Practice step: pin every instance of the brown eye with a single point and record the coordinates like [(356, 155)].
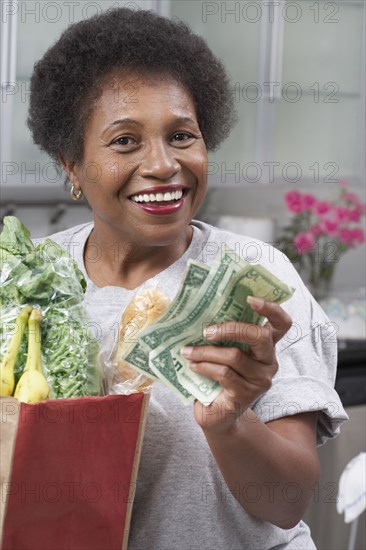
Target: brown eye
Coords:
[(124, 140), (182, 136)]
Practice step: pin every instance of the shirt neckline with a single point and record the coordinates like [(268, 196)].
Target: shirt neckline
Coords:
[(191, 252)]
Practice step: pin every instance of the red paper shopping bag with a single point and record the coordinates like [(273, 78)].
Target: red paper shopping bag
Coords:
[(68, 471)]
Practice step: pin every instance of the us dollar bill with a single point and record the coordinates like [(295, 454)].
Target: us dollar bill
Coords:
[(208, 295), (195, 276), (139, 359), (193, 279), (200, 280), (232, 306), (155, 335)]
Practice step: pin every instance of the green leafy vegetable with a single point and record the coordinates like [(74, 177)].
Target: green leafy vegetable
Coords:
[(46, 277)]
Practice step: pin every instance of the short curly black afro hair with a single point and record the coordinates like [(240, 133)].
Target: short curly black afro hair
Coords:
[(69, 78)]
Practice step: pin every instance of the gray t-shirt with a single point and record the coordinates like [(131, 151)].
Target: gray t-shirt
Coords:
[(182, 501)]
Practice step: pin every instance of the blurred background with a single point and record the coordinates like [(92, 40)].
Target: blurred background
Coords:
[(298, 82)]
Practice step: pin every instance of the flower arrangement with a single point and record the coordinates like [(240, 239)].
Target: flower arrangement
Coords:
[(320, 232)]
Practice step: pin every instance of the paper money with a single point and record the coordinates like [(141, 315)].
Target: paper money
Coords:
[(193, 279), (208, 295), (165, 360), (232, 307), (195, 275), (155, 335), (139, 359)]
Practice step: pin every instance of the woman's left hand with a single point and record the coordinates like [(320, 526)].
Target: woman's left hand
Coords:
[(243, 376)]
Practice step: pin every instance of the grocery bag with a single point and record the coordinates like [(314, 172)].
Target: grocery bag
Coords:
[(68, 471)]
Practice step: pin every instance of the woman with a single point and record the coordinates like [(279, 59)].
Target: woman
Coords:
[(129, 103)]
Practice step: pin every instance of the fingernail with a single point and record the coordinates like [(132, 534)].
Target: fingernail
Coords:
[(209, 331), (186, 351), (193, 366), (257, 303)]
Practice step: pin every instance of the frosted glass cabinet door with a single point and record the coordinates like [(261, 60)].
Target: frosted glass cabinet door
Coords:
[(319, 105), (36, 25)]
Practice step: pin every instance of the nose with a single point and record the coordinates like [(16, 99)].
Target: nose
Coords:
[(158, 161)]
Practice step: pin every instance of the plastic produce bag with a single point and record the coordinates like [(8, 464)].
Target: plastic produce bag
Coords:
[(47, 278)]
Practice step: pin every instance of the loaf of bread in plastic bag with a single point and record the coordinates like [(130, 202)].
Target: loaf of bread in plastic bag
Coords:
[(144, 309)]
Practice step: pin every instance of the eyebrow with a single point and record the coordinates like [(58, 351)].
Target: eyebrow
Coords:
[(133, 122), (122, 121), (185, 119)]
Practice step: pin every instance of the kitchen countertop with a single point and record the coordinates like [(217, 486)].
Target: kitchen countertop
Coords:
[(351, 373)]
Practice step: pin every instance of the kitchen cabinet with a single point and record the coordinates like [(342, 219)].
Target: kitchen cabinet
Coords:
[(297, 72)]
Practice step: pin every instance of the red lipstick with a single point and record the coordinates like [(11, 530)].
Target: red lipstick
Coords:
[(161, 208)]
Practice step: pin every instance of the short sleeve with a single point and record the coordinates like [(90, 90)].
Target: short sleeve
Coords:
[(307, 359)]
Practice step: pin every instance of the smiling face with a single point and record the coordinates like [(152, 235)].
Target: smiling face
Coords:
[(145, 161)]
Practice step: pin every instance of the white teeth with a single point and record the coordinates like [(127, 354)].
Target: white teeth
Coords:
[(158, 197)]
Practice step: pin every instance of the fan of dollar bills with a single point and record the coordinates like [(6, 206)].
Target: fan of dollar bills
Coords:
[(209, 294)]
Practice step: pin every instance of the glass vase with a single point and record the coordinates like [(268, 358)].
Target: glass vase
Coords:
[(320, 281)]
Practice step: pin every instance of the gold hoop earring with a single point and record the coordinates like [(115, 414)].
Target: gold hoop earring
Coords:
[(75, 195)]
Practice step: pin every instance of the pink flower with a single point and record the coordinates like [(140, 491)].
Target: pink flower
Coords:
[(342, 213), (352, 237), (345, 236), (293, 196), (304, 242), (293, 201), (296, 202), (354, 215), (330, 227), (322, 207), (308, 201), (358, 236)]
